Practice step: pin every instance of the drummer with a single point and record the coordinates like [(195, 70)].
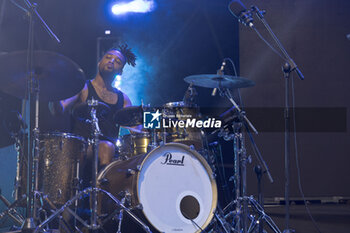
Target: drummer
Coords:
[(100, 88)]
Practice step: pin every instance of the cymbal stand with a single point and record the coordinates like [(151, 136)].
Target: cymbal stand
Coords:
[(241, 213), (32, 92), (11, 210), (80, 195), (95, 141)]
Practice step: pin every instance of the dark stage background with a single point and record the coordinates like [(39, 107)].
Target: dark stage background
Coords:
[(184, 37)]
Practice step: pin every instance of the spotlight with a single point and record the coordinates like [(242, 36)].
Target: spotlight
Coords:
[(138, 6), (107, 32)]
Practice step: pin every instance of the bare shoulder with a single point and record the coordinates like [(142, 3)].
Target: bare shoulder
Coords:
[(83, 94), (127, 101)]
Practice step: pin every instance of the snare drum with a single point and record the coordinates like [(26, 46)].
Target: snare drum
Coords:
[(172, 183), (58, 167)]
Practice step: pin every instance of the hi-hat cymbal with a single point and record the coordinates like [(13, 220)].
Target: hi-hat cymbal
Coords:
[(59, 77), (129, 116), (219, 81)]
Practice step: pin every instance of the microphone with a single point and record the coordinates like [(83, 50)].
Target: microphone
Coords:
[(189, 95), (219, 72), (239, 11)]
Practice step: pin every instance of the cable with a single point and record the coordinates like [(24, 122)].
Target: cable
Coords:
[(297, 161), (236, 74), (233, 65), (268, 44), (19, 6)]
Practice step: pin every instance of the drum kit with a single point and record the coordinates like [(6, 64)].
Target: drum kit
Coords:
[(162, 180)]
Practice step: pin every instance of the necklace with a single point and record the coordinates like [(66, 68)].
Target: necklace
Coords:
[(106, 95)]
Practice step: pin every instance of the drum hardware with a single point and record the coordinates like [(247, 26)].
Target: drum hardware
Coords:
[(11, 209), (258, 172), (95, 223), (232, 131), (254, 222), (216, 158), (23, 78), (80, 194), (241, 216), (118, 215)]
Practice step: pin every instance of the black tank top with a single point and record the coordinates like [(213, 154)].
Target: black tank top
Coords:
[(109, 129)]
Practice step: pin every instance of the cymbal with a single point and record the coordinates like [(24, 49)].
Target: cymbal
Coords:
[(219, 81), (59, 77), (129, 116), (133, 129)]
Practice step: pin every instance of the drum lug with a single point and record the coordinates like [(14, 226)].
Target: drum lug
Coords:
[(138, 168), (131, 172), (138, 206), (59, 192), (103, 181), (76, 183), (125, 194)]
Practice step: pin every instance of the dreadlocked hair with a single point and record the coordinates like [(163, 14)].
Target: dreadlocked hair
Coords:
[(127, 53)]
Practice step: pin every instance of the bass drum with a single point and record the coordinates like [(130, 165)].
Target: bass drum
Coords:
[(172, 189)]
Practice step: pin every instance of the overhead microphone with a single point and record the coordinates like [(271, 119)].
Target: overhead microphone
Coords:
[(239, 11), (219, 72)]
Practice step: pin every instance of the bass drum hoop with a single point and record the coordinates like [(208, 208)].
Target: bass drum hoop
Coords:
[(207, 168), (203, 162)]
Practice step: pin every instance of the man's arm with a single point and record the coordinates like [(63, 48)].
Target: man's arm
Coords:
[(59, 107)]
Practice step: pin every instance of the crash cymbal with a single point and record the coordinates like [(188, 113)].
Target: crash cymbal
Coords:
[(219, 81), (59, 77), (129, 116), (82, 111)]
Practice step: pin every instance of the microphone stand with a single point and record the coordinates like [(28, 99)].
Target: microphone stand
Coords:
[(287, 68)]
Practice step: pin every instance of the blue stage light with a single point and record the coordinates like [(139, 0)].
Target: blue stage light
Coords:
[(133, 81), (117, 82), (138, 6)]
